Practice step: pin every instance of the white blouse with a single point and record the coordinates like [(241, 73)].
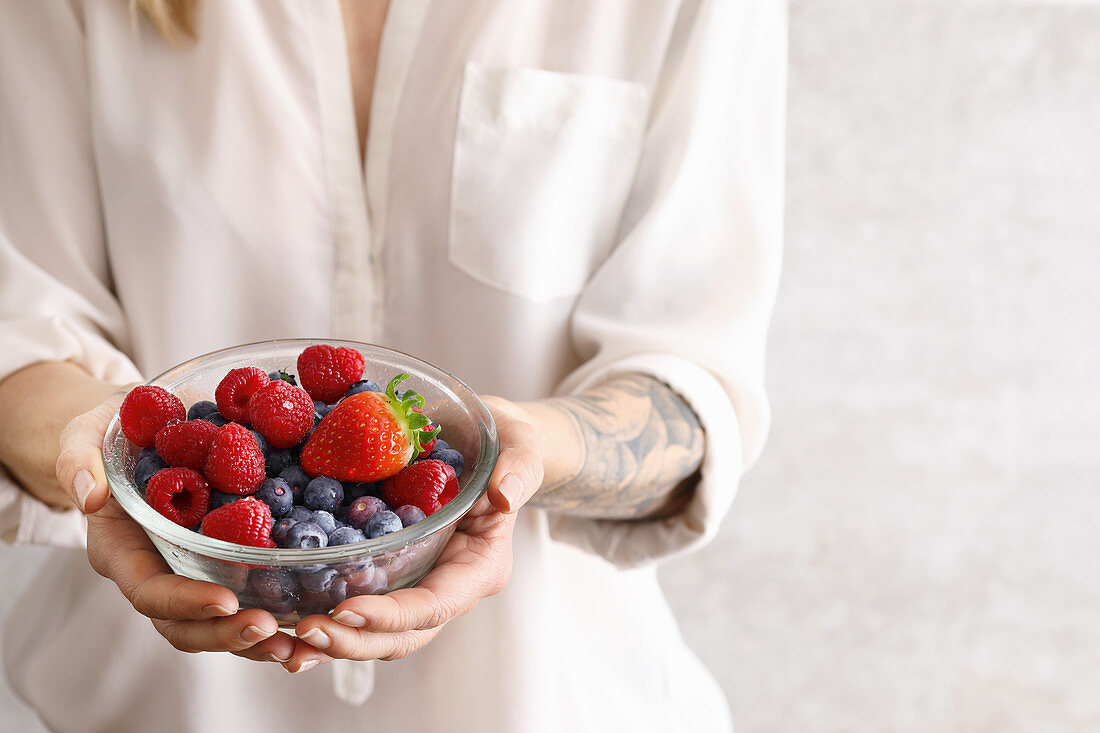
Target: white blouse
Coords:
[(553, 192)]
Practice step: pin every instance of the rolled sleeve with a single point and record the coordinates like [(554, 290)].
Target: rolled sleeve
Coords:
[(687, 295), (633, 544), (56, 301), (24, 520)]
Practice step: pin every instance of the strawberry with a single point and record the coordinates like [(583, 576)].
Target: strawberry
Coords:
[(426, 485), (369, 436), (146, 410), (327, 371), (246, 521)]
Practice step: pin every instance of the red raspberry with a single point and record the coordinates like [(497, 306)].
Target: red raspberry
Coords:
[(180, 494), (235, 389), (234, 464), (326, 371), (245, 521), (186, 443), (282, 413), (427, 485), (426, 448), (429, 445), (145, 411)]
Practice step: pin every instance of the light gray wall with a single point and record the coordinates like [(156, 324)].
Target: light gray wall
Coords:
[(917, 549)]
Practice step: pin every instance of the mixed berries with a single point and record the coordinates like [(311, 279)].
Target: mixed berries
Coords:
[(335, 461)]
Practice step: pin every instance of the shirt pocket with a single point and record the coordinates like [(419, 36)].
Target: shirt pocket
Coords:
[(543, 164)]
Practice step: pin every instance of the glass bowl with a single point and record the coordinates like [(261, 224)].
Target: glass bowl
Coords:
[(292, 583)]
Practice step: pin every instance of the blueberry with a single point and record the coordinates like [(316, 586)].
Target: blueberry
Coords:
[(298, 480), (382, 523), (147, 453), (324, 520), (217, 418), (285, 376), (271, 585), (296, 450), (353, 490), (306, 536), (310, 603), (323, 493), (200, 410), (451, 457), (275, 492), (409, 514), (363, 508), (317, 581), (440, 444), (146, 468), (300, 514), (345, 536), (261, 442), (363, 385), (338, 591), (320, 409), (277, 461), (220, 499), (278, 532)]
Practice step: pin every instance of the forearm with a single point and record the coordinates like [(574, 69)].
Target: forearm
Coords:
[(36, 403), (628, 448)]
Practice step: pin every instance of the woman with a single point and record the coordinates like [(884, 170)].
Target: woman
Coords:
[(544, 198)]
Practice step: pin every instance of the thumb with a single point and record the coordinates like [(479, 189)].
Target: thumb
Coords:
[(519, 471), (80, 462)]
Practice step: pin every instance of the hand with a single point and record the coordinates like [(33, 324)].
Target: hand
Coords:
[(192, 615), (475, 563)]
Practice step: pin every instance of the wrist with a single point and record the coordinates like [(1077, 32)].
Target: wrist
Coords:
[(36, 403), (560, 440)]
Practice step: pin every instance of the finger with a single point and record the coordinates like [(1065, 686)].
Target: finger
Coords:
[(119, 550), (408, 609), (450, 590), (518, 473), (278, 648), (304, 657), (228, 634), (80, 463), (341, 642)]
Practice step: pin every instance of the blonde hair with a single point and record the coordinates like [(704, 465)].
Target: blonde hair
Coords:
[(173, 18)]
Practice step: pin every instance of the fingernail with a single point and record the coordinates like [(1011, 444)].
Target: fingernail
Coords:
[(349, 618), (215, 609), (270, 656), (252, 634), (82, 486), (306, 665), (316, 638), (511, 488)]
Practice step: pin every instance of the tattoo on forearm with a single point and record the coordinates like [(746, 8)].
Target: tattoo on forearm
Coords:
[(642, 447)]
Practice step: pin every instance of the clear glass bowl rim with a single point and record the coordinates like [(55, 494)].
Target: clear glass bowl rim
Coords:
[(131, 500)]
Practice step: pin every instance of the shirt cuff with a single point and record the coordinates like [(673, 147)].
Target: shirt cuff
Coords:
[(26, 520), (635, 543)]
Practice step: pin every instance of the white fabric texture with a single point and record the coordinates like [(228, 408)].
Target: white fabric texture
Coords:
[(553, 193)]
